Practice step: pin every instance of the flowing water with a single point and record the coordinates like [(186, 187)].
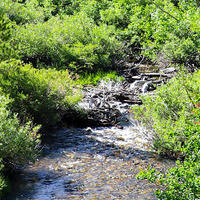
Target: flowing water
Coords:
[(90, 164)]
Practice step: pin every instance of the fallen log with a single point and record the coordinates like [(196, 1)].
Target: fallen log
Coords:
[(151, 74)]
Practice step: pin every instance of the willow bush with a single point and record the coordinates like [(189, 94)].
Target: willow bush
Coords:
[(174, 115), (42, 95), (70, 42), (166, 31), (6, 31), (32, 11), (19, 143)]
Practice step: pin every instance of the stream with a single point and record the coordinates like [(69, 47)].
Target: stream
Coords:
[(95, 163)]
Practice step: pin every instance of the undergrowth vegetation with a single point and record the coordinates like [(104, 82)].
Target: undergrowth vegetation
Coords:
[(18, 142), (94, 34), (48, 48), (173, 113), (6, 49), (72, 42), (44, 95), (93, 79)]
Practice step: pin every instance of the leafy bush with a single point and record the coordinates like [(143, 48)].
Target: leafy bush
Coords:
[(184, 50), (181, 182), (174, 114), (169, 113), (94, 78), (6, 50), (42, 94), (74, 41), (161, 27), (18, 142), (154, 28), (118, 13), (66, 7), (83, 33), (31, 11)]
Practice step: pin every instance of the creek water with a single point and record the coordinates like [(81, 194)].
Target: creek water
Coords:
[(91, 163)]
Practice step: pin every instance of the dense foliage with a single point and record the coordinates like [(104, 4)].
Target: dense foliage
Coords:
[(43, 95), (174, 115), (94, 34), (18, 142), (6, 50), (71, 42)]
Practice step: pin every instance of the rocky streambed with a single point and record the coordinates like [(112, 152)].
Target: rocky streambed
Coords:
[(101, 160)]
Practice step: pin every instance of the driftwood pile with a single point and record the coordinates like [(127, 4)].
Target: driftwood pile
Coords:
[(107, 102)]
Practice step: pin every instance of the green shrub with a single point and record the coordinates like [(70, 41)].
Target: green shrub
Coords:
[(43, 95), (158, 29), (93, 8), (174, 114), (118, 13), (181, 182), (6, 49), (70, 42), (17, 142), (185, 50), (95, 78), (66, 7), (169, 113), (31, 11), (155, 28)]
